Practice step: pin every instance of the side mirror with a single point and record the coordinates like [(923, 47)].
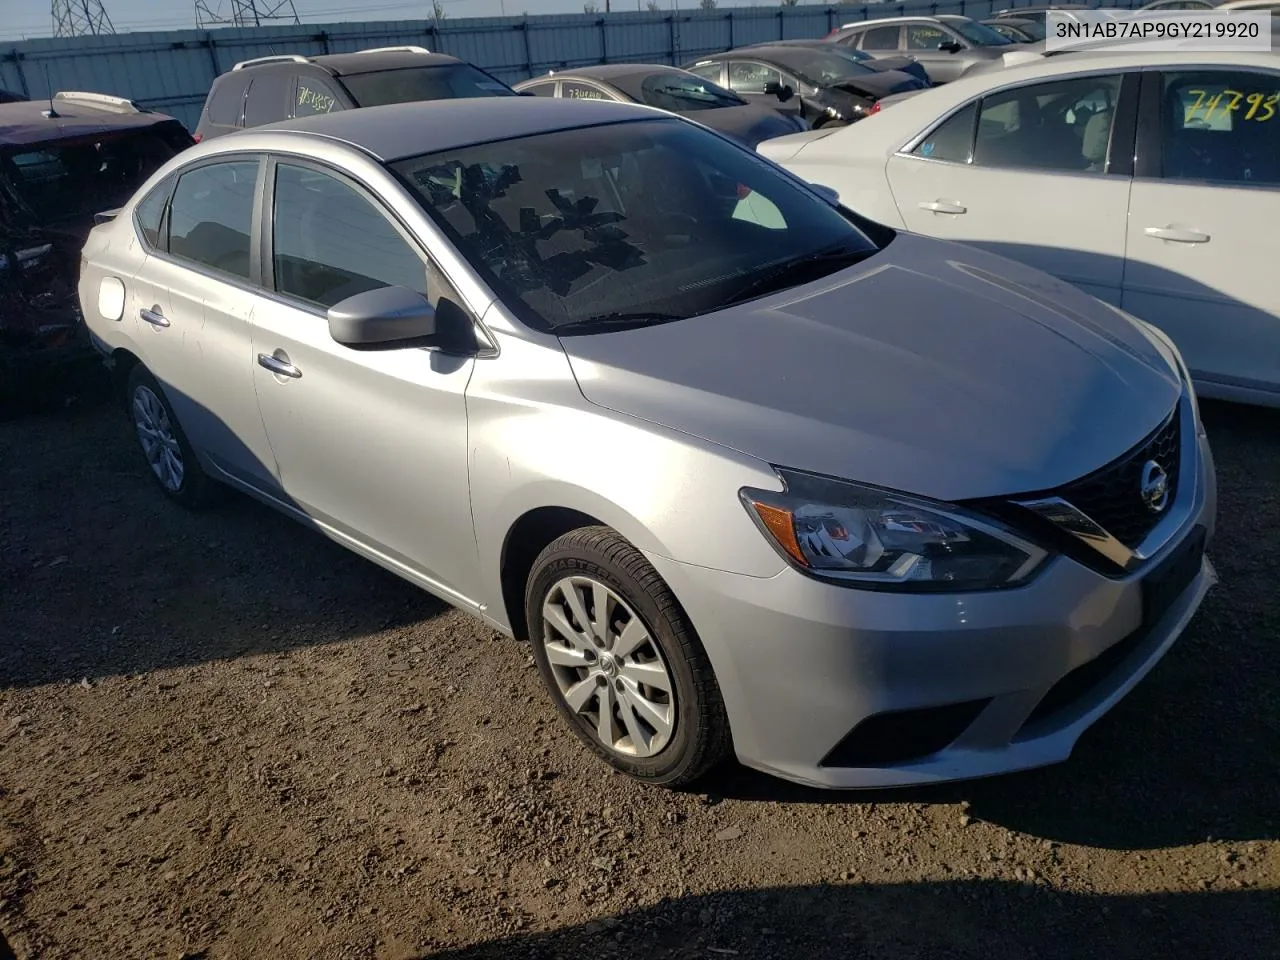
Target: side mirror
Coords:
[(526, 93), (383, 316), (827, 193), (774, 88), (950, 46)]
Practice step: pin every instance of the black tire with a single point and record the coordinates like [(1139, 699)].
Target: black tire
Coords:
[(700, 740), (197, 489)]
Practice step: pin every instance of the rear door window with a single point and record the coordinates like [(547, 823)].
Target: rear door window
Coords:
[(268, 99), (880, 38), (211, 216), (1222, 126)]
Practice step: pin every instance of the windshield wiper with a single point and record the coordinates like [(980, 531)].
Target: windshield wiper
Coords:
[(774, 278), (616, 321)]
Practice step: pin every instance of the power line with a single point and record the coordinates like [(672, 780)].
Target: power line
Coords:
[(244, 13), (80, 18)]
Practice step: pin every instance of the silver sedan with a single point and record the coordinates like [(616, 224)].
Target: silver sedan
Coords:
[(752, 474)]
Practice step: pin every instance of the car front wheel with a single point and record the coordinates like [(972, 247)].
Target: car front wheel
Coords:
[(622, 661)]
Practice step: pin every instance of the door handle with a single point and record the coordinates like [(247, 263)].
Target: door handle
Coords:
[(1176, 234), (282, 367), (154, 316), (942, 206)]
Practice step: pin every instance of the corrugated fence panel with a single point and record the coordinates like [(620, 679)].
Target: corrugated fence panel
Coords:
[(171, 72)]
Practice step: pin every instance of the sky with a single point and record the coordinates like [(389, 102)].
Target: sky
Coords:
[(32, 18)]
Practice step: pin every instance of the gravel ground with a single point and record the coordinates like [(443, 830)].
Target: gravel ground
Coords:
[(222, 736)]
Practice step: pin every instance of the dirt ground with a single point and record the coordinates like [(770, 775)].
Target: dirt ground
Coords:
[(222, 736)]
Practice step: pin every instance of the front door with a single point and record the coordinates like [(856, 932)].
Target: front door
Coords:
[(1027, 173), (1201, 255), (371, 443), (750, 78), (921, 40)]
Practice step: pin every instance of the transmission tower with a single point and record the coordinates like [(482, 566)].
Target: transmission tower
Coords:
[(80, 18), (244, 13)]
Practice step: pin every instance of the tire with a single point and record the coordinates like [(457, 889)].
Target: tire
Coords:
[(149, 409), (697, 738)]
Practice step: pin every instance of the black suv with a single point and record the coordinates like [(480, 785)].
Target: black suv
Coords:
[(63, 160), (269, 89)]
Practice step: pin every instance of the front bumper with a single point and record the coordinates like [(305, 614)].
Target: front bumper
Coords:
[(838, 687)]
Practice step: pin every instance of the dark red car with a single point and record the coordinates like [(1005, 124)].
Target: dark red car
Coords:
[(62, 160)]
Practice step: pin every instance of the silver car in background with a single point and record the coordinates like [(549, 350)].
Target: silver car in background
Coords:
[(753, 475)]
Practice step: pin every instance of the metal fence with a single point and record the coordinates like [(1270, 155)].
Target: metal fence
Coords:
[(172, 72)]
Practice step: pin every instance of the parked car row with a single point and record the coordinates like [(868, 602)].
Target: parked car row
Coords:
[(1147, 179)]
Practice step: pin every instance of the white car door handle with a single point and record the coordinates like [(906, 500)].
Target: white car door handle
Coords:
[(282, 367), (154, 317), (942, 206), (1176, 234)]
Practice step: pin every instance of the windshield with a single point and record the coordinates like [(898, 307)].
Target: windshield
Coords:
[(824, 67), (977, 33), (681, 93), (653, 220), (446, 82), (70, 180)]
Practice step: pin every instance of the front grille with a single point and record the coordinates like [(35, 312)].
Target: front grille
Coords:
[(1111, 497)]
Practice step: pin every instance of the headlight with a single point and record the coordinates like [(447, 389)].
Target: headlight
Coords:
[(876, 539)]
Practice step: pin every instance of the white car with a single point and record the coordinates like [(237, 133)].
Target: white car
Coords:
[(1150, 180)]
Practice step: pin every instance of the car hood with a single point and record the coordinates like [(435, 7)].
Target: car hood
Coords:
[(750, 123), (932, 368)]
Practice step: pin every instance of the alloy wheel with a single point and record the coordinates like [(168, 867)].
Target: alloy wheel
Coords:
[(158, 439), (607, 667)]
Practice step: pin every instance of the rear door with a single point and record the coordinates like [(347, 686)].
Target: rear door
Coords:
[(194, 333), (1202, 219), (1039, 173)]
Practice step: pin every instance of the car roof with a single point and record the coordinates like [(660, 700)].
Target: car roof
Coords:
[(400, 130), (23, 122), (348, 64), (885, 21), (764, 51), (611, 71)]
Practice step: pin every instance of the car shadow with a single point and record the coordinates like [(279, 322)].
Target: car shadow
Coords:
[(1190, 753), (961, 920), (106, 577)]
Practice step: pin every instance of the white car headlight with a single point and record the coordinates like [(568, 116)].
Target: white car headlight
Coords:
[(881, 540)]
